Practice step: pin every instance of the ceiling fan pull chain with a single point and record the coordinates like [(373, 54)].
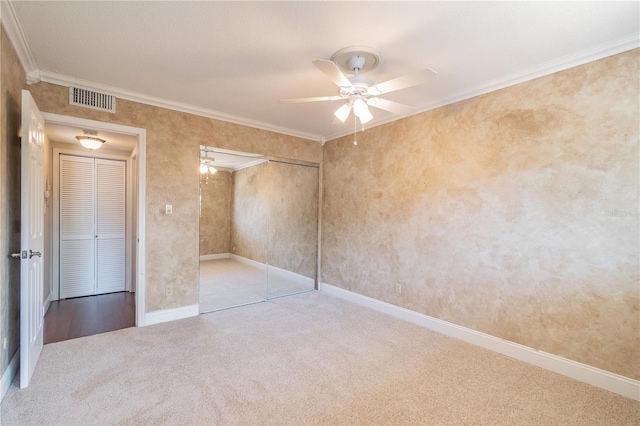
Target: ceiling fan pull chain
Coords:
[(355, 130)]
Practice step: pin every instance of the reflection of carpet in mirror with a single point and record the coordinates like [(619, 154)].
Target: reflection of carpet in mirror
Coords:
[(229, 282)]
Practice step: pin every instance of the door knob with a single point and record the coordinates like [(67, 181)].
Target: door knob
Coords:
[(34, 253), (15, 255)]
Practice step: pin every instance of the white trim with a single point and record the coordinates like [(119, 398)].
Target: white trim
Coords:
[(292, 276), (214, 256), (9, 374), (47, 304), (141, 147), (250, 164), (246, 261), (582, 57), (34, 75), (165, 315), (68, 81), (216, 150), (141, 180), (612, 382), (300, 279), (14, 31)]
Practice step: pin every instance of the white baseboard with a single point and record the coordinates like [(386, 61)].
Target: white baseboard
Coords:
[(248, 261), (277, 272), (214, 256), (165, 315), (9, 374), (47, 304), (292, 276), (603, 379)]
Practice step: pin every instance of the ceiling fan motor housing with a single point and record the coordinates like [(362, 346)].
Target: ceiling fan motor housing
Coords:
[(356, 63), (360, 86)]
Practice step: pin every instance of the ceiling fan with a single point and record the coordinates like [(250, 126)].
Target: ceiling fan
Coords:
[(360, 92)]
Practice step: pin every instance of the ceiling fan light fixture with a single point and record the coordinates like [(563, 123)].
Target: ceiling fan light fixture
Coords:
[(212, 170), (203, 168), (365, 116), (343, 112), (359, 107), (90, 140), (361, 110)]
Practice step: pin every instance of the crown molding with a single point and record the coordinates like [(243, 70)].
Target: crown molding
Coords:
[(14, 31), (13, 28), (582, 57), (16, 35), (64, 80)]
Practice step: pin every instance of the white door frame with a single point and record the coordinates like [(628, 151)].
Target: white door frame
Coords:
[(141, 134)]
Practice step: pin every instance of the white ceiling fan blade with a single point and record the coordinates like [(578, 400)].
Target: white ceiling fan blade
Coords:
[(332, 71), (391, 106), (316, 99), (403, 82)]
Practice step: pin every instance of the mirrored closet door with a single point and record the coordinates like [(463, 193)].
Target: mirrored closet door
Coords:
[(258, 228), (293, 228)]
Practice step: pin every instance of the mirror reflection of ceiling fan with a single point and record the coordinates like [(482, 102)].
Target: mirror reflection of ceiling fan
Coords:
[(359, 92)]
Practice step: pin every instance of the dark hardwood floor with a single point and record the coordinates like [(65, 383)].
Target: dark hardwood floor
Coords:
[(85, 316)]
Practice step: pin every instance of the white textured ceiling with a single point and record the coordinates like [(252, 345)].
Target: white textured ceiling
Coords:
[(237, 59)]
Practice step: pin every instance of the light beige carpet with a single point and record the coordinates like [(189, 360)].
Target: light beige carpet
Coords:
[(306, 359)]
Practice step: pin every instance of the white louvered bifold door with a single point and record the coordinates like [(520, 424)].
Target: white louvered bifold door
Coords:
[(77, 215), (110, 225), (92, 226)]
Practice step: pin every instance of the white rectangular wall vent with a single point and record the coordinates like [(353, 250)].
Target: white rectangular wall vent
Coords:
[(90, 99)]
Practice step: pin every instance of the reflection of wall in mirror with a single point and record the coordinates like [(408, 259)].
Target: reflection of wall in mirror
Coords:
[(249, 223), (293, 218), (267, 213), (215, 217)]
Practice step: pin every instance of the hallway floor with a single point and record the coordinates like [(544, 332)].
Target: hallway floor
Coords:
[(84, 316)]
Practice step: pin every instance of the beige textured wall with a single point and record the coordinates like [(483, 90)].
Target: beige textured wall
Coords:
[(215, 217), (293, 218), (249, 213), (12, 81), (173, 141), (514, 213)]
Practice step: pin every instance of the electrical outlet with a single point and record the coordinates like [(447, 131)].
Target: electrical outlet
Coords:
[(169, 290), (398, 288)]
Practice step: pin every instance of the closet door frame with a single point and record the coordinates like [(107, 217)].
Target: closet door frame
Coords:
[(55, 258)]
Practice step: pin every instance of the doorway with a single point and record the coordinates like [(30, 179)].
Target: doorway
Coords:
[(107, 312)]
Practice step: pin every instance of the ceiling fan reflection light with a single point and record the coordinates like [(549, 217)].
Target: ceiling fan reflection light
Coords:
[(203, 168), (212, 169), (343, 112)]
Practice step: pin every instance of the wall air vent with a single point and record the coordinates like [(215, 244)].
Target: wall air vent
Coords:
[(90, 99)]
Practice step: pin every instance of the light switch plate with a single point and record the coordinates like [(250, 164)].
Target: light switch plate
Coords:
[(168, 209)]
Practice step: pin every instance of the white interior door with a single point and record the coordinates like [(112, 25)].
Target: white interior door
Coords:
[(31, 238)]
